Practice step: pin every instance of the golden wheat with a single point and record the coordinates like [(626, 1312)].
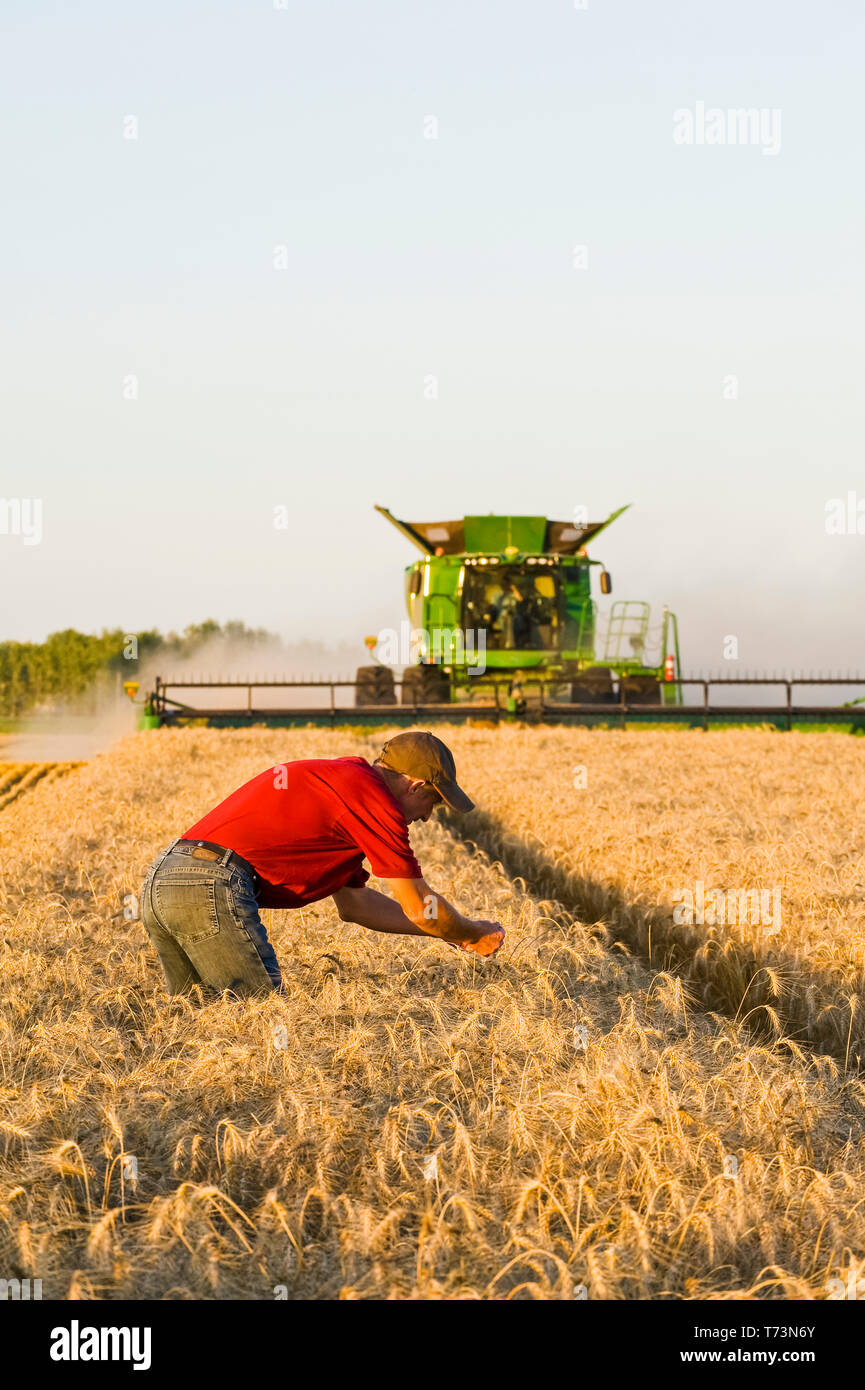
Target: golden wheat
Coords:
[(737, 810), (556, 1122)]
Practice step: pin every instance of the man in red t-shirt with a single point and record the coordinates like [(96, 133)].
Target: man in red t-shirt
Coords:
[(297, 833)]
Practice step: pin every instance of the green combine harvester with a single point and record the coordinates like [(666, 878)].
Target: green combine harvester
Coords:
[(502, 606), (502, 625)]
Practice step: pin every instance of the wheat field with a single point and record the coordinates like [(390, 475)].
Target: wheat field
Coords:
[(739, 810), (581, 1116)]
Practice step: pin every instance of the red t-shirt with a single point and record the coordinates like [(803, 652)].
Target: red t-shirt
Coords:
[(306, 826)]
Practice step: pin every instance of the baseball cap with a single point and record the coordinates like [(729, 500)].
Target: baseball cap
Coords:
[(420, 754)]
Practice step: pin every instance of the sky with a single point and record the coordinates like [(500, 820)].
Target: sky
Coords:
[(275, 263)]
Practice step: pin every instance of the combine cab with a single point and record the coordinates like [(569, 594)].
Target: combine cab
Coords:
[(505, 601)]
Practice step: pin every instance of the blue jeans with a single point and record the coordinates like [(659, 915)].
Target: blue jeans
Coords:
[(202, 917)]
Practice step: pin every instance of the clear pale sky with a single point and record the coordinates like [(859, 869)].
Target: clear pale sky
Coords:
[(407, 258)]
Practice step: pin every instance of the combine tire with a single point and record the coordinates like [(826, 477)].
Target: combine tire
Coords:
[(374, 686), (642, 690), (594, 687), (425, 685)]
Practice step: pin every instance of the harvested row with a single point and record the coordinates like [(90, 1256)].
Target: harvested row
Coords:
[(17, 778), (623, 826), (408, 1122), (12, 773)]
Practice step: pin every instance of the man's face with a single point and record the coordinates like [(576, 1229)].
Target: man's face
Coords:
[(417, 799)]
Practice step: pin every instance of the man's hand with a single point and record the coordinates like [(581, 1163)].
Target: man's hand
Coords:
[(488, 939)]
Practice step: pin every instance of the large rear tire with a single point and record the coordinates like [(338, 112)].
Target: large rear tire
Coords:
[(374, 686), (425, 685), (642, 690), (593, 687)]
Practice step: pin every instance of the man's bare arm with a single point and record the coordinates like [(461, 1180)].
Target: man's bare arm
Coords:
[(375, 910), (418, 911)]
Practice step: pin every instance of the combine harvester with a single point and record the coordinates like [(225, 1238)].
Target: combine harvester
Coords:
[(502, 625), (501, 611)]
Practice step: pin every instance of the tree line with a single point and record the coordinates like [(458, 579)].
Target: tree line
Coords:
[(69, 665)]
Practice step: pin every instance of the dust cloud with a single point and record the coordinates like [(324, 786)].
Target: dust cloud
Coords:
[(81, 729)]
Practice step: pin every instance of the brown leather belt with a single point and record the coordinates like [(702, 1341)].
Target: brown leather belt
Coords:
[(204, 849)]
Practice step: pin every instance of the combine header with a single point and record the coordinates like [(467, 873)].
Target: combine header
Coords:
[(501, 624)]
